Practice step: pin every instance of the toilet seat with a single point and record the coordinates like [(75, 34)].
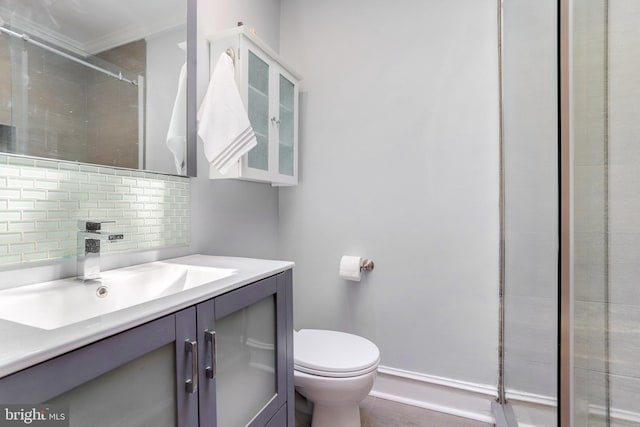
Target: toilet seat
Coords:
[(334, 354)]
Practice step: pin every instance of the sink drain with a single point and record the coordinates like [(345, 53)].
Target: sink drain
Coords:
[(102, 291)]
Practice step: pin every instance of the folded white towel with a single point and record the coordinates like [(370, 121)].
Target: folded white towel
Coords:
[(223, 123), (177, 133)]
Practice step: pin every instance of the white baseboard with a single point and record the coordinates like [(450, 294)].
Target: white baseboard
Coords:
[(459, 398), (619, 416), (473, 401)]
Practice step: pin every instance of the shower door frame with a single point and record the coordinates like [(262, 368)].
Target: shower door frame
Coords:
[(565, 290)]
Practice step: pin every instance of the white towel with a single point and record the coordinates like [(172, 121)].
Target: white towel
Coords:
[(177, 133), (223, 123)]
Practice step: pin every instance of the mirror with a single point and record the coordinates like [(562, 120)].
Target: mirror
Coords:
[(100, 82)]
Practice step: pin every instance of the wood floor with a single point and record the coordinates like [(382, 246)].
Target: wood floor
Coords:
[(375, 412)]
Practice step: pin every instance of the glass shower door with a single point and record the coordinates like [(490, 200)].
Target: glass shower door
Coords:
[(530, 210), (606, 144)]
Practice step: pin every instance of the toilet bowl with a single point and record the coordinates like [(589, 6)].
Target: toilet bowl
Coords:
[(335, 371)]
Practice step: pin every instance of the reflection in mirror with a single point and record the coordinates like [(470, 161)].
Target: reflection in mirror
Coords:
[(95, 81)]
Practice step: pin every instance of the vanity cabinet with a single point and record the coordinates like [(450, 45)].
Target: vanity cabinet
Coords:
[(269, 90), (224, 362)]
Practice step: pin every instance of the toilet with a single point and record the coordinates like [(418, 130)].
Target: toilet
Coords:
[(335, 371)]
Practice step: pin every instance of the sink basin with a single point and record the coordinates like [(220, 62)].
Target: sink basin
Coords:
[(51, 305)]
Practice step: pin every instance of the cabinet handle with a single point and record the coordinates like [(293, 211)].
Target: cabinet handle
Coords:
[(210, 337), (275, 121), (192, 383)]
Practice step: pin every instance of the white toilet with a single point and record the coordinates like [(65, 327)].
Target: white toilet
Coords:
[(335, 371)]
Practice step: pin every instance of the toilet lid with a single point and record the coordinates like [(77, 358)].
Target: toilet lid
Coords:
[(334, 354)]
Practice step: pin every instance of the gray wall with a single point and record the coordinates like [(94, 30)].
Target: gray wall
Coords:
[(399, 163), (233, 217)]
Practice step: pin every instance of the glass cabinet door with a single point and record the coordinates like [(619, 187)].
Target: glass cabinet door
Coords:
[(258, 110), (137, 378), (286, 127), (140, 393), (246, 360), (250, 379)]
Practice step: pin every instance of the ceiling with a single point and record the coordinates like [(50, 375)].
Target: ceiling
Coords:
[(92, 26)]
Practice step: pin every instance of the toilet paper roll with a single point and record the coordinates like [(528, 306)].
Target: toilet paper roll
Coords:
[(350, 268)]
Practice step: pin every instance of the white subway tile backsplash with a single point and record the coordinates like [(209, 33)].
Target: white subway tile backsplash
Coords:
[(58, 235), (10, 216), (10, 259), (97, 178), (46, 204), (47, 164), (68, 186), (31, 214), (32, 173), (19, 182), (35, 236), (21, 226), (18, 161), (41, 201), (89, 168), (9, 170), (33, 194), (20, 204), (35, 256), (6, 193), (46, 185), (47, 246), (113, 180), (79, 177), (47, 225), (69, 167), (68, 204), (18, 248), (59, 175), (68, 243), (57, 195), (58, 214)]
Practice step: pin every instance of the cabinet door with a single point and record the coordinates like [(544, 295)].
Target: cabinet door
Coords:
[(250, 354), (136, 378), (287, 128), (256, 69)]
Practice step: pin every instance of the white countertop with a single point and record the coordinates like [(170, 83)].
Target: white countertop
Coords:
[(23, 346)]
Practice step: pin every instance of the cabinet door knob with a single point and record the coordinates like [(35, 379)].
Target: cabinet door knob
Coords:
[(192, 383), (275, 121), (210, 337)]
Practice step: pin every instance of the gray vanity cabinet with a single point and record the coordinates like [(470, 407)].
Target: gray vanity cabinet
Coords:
[(248, 330), (135, 378), (225, 362)]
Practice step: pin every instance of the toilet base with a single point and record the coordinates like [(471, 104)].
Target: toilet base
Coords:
[(333, 416)]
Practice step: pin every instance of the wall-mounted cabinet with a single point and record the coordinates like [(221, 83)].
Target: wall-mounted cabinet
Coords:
[(269, 91), (227, 361)]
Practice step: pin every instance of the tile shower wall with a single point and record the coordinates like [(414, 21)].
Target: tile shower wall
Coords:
[(56, 105), (41, 202)]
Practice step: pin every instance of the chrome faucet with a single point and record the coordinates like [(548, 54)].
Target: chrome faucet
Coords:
[(89, 236)]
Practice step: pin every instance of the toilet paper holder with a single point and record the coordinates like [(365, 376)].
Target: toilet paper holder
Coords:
[(366, 265)]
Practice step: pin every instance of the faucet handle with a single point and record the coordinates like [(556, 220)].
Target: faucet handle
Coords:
[(91, 225)]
